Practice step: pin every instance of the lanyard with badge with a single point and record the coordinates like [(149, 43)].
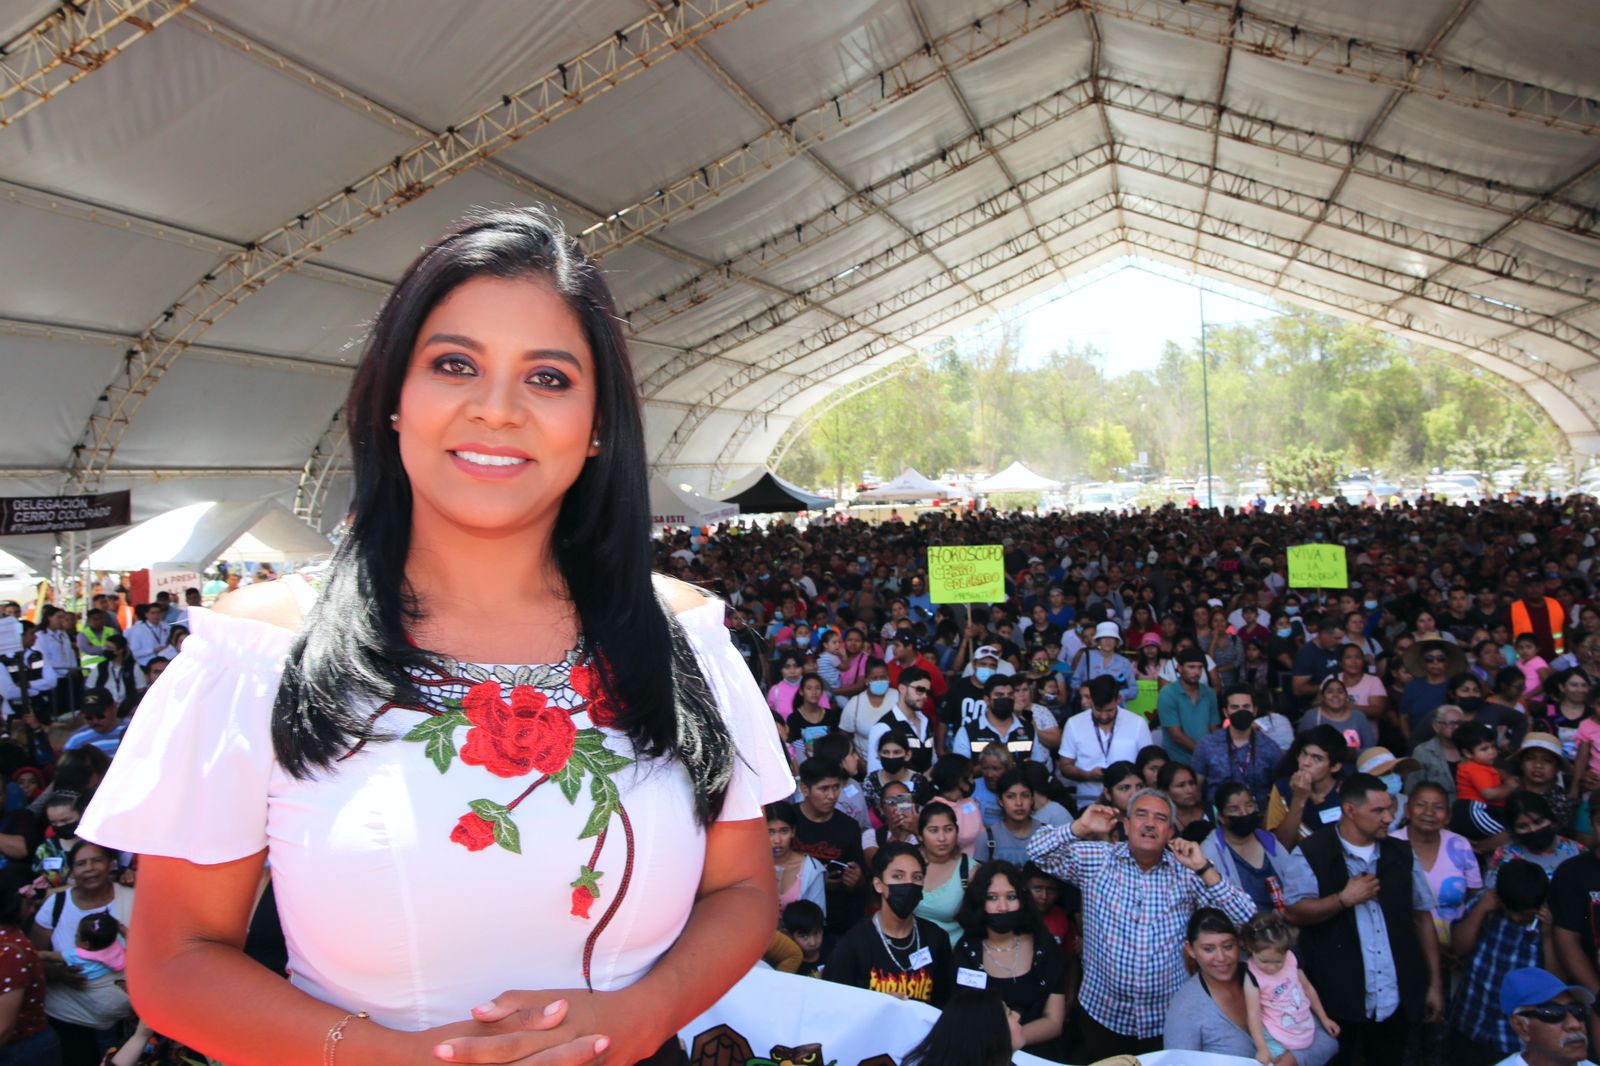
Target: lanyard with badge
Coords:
[(1110, 738)]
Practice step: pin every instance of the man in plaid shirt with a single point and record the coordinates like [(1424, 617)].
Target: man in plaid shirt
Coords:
[(1507, 929), (1137, 900)]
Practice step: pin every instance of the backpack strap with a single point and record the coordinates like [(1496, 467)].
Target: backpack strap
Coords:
[(58, 908), (964, 871)]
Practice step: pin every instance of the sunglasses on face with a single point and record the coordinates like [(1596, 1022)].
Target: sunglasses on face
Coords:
[(924, 689), (1433, 658), (1556, 1013)]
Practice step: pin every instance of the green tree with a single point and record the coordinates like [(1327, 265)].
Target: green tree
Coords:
[(1303, 470), (1289, 392), (1110, 448)]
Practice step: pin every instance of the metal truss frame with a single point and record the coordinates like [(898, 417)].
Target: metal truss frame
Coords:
[(1123, 96), (1014, 199), (895, 369), (960, 308), (1398, 67), (1313, 255), (1394, 234), (907, 298), (1207, 177), (410, 174), (859, 101), (972, 120), (72, 42), (1301, 290), (840, 215), (1414, 69), (1291, 286)]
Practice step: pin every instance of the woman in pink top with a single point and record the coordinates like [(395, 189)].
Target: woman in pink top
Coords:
[(1365, 690), (950, 782), (780, 697)]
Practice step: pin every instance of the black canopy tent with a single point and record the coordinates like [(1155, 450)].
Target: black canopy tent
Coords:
[(763, 492)]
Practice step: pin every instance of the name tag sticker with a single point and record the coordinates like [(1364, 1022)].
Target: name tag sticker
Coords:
[(922, 959), (971, 978), (54, 862), (1331, 815)]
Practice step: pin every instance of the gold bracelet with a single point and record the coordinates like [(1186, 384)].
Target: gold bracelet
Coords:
[(330, 1046)]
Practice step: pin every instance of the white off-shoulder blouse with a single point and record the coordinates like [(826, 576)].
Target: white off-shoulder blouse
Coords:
[(504, 839)]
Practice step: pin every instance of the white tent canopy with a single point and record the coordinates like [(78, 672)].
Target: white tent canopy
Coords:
[(910, 485), (673, 505), (194, 537), (789, 199), (1016, 478)]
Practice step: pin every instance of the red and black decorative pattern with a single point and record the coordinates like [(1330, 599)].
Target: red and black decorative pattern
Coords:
[(519, 723)]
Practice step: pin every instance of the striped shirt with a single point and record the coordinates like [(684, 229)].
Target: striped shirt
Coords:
[(107, 742), (1133, 925)]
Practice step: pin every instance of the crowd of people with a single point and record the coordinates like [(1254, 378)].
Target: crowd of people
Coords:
[(1352, 825), (70, 691)]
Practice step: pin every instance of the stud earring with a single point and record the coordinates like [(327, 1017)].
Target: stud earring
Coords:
[(595, 443), (395, 417)]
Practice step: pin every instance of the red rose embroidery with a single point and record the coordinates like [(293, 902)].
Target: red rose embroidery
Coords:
[(510, 741), (472, 832), (582, 900), (585, 681)]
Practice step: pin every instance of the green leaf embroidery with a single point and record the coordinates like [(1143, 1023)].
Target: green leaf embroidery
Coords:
[(437, 733), (570, 779), (589, 879), (505, 826), (606, 801)]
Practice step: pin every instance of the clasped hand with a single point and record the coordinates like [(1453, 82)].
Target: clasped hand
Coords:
[(568, 1027)]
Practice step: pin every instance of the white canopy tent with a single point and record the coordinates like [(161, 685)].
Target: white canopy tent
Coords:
[(194, 537), (673, 505), (1015, 478), (789, 198), (910, 485)]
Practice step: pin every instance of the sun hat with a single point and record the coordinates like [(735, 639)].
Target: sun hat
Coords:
[(1108, 629)]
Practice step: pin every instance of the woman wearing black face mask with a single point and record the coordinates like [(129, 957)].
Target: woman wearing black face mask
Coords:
[(1007, 950), (1243, 852), (1534, 836), (894, 758), (894, 951)]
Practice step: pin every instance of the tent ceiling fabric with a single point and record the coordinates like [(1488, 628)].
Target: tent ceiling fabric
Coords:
[(789, 198)]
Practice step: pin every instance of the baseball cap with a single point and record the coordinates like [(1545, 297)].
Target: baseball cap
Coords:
[(96, 700), (988, 651), (1531, 986), (903, 636)]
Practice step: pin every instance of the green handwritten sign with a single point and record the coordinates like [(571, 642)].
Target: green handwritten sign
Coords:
[(1318, 566), (967, 573), (1145, 702)]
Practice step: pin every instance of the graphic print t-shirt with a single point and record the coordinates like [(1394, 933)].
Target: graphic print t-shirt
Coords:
[(861, 959)]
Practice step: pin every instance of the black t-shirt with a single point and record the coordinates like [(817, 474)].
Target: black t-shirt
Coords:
[(839, 838), (964, 703), (1575, 901), (863, 960), (1027, 993), (1461, 628)]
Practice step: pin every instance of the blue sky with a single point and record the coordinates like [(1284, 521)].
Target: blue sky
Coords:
[(1131, 314)]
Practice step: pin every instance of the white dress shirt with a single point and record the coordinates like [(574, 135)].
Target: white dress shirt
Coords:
[(1091, 748)]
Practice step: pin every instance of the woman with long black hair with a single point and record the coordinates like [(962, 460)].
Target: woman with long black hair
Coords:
[(492, 760)]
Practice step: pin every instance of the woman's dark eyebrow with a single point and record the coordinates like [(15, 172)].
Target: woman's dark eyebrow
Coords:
[(561, 355), (454, 338), (463, 341)]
